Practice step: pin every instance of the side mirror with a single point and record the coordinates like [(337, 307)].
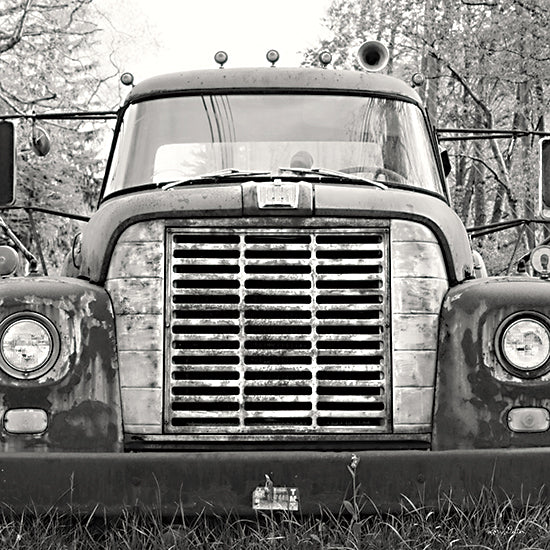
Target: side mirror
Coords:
[(7, 163), (40, 141), (445, 161), (544, 178), (9, 261)]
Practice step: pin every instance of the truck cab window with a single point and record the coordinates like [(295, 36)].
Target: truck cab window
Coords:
[(184, 137)]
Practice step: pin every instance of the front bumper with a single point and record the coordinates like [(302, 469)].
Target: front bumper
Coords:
[(222, 482)]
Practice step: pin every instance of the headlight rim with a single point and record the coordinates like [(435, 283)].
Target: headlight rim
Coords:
[(499, 344), (55, 339)]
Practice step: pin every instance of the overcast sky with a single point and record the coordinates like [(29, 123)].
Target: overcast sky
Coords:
[(154, 37)]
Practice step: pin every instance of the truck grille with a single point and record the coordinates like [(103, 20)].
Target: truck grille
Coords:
[(277, 330)]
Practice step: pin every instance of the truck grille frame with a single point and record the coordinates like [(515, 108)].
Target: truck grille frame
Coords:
[(277, 330)]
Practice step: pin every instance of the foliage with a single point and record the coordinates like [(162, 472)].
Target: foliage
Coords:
[(487, 64), (46, 67)]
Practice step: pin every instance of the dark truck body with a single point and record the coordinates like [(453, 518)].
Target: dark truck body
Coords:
[(207, 341)]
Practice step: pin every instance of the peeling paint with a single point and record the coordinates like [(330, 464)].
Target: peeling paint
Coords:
[(81, 391), (90, 425), (473, 390)]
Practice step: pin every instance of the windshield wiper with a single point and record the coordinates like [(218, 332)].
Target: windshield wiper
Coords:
[(335, 174), (234, 172), (215, 176)]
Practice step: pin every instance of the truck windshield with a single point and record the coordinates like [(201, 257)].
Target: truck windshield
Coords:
[(180, 138)]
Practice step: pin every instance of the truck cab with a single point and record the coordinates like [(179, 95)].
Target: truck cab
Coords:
[(282, 229)]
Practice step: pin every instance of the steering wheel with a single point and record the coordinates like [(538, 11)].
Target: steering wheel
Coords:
[(378, 171)]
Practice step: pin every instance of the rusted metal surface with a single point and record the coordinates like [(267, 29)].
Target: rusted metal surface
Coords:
[(419, 283), (428, 211), (262, 79), (277, 330), (474, 392), (247, 316), (135, 282), (256, 197), (284, 441), (223, 482), (80, 393), (223, 204), (109, 222)]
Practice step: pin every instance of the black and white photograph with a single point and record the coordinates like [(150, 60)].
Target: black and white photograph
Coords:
[(275, 274)]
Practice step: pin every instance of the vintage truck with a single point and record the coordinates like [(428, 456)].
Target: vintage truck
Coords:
[(273, 293)]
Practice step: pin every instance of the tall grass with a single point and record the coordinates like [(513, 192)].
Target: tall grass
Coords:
[(485, 524), (481, 523)]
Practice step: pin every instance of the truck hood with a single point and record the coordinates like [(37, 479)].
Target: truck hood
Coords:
[(226, 200)]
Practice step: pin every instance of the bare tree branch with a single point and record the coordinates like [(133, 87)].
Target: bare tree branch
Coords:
[(11, 105), (11, 40), (479, 3)]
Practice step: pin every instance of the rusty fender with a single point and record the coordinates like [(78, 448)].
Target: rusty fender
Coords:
[(474, 393), (80, 392)]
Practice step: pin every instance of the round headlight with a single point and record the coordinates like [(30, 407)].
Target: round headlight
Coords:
[(29, 344), (525, 344)]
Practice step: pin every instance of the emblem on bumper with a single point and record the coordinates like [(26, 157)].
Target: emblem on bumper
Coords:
[(270, 497)]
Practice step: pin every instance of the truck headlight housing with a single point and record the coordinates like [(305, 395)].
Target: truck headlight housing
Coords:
[(29, 345), (523, 343)]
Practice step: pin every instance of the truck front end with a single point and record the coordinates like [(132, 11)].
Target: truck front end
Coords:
[(273, 289)]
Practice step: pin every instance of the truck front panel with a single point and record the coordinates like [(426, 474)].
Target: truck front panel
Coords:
[(273, 294), (250, 328)]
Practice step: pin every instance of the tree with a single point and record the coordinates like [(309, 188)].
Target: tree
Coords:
[(487, 64), (46, 66)]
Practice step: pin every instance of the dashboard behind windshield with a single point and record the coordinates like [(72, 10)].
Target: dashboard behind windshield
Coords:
[(180, 138)]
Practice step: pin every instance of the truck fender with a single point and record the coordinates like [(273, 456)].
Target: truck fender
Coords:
[(79, 394), (475, 392)]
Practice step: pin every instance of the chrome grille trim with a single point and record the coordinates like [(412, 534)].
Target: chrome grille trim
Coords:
[(274, 330)]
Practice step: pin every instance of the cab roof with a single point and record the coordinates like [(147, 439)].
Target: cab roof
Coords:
[(273, 79)]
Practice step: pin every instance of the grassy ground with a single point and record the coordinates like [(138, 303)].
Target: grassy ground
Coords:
[(486, 525), (480, 523)]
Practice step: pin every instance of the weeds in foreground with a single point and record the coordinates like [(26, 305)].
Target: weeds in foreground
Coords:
[(483, 524), (483, 527)]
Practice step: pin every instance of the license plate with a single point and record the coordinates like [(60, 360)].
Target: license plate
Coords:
[(275, 498)]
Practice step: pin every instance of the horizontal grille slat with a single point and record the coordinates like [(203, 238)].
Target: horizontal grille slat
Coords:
[(350, 277), (270, 415), (355, 294), (220, 299), (191, 321), (207, 395), (273, 371), (207, 375), (278, 381), (221, 413), (193, 340), (350, 414), (272, 280), (334, 337), (273, 330), (350, 372), (334, 399), (260, 399)]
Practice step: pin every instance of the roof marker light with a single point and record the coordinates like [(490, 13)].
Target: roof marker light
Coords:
[(418, 79), (325, 58), (272, 56), (221, 58), (127, 79)]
